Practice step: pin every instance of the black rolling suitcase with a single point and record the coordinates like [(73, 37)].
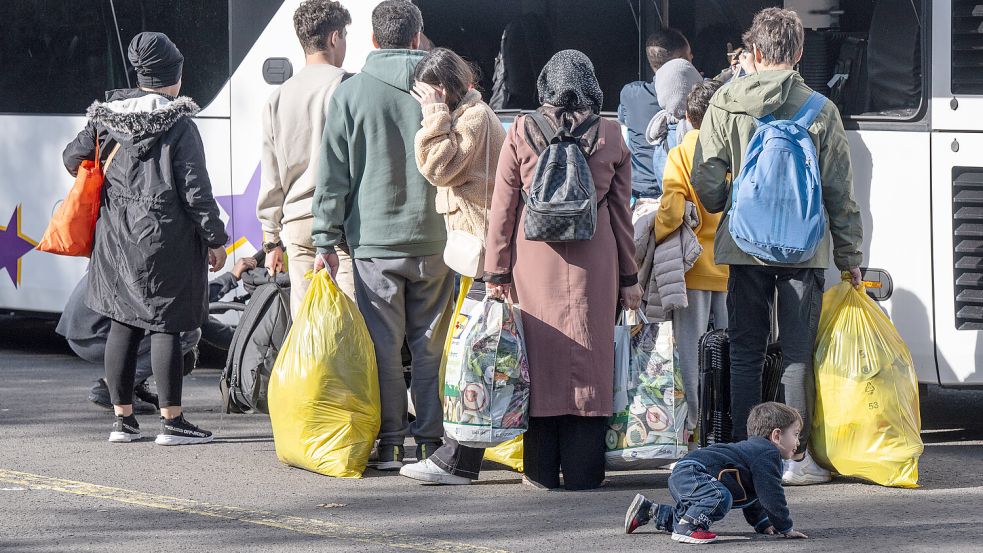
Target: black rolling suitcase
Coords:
[(715, 423)]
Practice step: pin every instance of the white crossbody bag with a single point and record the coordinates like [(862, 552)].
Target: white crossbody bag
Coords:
[(465, 252)]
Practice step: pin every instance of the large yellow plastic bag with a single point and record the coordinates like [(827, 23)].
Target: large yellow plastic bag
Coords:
[(508, 454), (648, 427), (324, 391), (867, 422)]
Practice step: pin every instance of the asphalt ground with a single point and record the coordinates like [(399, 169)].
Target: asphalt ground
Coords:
[(63, 487)]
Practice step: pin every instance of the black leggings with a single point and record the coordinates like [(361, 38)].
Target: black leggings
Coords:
[(121, 358)]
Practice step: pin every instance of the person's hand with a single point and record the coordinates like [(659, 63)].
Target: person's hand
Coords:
[(795, 535), (631, 297), (770, 531), (497, 291), (216, 258), (427, 94), (242, 265), (274, 260), (746, 59), (856, 277), (329, 260)]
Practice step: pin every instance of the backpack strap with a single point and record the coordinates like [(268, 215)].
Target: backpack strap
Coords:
[(544, 125), (582, 128), (765, 120), (810, 110)]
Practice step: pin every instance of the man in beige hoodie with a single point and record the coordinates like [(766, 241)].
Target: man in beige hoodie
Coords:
[(293, 121)]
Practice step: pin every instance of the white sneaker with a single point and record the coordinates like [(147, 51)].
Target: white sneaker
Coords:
[(428, 471), (804, 472)]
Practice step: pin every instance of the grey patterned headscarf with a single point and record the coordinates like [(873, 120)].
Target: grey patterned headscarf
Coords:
[(568, 81)]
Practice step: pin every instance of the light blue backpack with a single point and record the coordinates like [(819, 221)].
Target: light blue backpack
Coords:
[(776, 212)]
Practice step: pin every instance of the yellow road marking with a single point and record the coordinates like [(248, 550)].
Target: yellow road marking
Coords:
[(301, 525)]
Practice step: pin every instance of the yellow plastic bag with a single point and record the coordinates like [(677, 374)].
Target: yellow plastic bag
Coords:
[(508, 453), (867, 421), (324, 391)]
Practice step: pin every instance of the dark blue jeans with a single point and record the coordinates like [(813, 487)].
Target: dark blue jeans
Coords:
[(699, 496), (751, 293)]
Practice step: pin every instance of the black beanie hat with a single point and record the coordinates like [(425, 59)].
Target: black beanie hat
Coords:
[(156, 59)]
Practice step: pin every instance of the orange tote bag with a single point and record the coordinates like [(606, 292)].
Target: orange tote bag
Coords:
[(72, 228)]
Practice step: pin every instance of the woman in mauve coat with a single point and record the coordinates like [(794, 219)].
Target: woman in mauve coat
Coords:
[(568, 291)]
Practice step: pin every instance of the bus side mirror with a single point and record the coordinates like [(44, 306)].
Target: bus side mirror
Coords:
[(277, 70)]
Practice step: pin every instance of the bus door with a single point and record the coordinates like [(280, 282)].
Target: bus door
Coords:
[(957, 189)]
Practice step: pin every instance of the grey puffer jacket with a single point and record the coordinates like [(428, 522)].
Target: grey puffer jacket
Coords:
[(157, 219), (665, 264)]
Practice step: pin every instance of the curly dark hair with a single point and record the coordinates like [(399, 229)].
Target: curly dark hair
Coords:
[(699, 100), (315, 20), (395, 23)]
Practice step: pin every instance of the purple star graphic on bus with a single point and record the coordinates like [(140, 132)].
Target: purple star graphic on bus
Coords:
[(13, 246), (243, 225)]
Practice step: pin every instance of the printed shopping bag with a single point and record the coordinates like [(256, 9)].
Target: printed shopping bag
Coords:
[(648, 428), (486, 381), (324, 391), (867, 421)]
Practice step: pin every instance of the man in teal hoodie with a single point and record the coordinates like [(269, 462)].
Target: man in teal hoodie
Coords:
[(370, 191)]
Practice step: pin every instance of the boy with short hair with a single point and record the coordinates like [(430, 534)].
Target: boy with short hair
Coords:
[(640, 102), (773, 88), (746, 475), (370, 191)]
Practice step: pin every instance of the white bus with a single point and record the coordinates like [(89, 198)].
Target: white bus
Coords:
[(908, 76)]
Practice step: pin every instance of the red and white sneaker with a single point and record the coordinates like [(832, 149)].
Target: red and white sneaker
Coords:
[(686, 533)]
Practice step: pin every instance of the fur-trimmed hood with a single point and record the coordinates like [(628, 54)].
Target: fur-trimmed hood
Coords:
[(137, 118)]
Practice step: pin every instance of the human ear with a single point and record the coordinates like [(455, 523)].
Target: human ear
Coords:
[(375, 42), (415, 43), (776, 435)]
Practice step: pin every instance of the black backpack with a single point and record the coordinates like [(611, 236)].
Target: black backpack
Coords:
[(561, 205), (255, 345)]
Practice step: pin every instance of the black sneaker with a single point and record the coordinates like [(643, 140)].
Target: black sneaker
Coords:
[(125, 429), (426, 449), (178, 431), (99, 395), (142, 392), (390, 457)]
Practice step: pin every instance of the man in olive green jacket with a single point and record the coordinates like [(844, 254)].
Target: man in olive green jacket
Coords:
[(370, 191), (773, 87)]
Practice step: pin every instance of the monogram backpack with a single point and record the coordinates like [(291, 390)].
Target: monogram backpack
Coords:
[(561, 205)]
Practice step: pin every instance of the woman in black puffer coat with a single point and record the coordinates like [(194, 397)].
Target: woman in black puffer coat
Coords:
[(158, 231)]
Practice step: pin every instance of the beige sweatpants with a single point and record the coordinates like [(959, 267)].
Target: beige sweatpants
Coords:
[(296, 237)]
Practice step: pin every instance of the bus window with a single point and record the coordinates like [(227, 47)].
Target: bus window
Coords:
[(865, 55), (967, 48), (523, 34), (60, 55), (200, 29), (57, 55)]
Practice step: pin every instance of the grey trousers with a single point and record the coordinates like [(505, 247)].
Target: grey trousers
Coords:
[(688, 326), (407, 298), (750, 298), (93, 350)]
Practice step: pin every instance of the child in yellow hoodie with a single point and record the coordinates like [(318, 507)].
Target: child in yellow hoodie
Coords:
[(706, 282)]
